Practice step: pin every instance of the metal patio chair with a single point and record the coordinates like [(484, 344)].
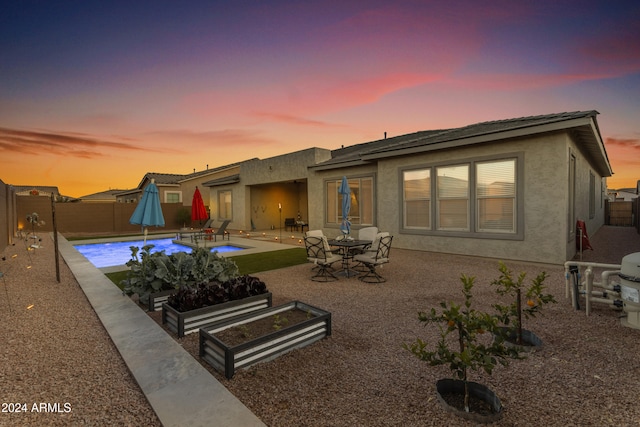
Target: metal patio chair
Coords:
[(319, 253), (373, 260)]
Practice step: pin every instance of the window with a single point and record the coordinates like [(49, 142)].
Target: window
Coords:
[(478, 198), (173, 196), (453, 197), (417, 199), (224, 205), (496, 196), (361, 212)]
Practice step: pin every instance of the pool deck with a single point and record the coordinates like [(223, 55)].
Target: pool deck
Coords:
[(180, 390)]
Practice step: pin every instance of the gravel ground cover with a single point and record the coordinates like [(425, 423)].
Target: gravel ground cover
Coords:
[(586, 374), (56, 352)]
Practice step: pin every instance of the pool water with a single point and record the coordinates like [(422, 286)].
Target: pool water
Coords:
[(118, 253)]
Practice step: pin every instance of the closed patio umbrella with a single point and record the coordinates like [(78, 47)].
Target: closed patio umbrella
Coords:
[(148, 212), (345, 191), (198, 211)]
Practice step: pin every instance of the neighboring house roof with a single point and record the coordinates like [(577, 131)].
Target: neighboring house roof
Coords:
[(582, 124), (42, 190), (175, 179), (107, 196)]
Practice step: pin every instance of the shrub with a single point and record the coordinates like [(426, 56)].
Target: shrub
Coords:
[(511, 315), (464, 350)]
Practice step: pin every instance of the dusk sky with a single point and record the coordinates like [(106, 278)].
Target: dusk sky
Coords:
[(95, 94)]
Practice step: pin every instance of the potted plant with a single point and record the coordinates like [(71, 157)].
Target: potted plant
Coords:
[(512, 315), (465, 345)]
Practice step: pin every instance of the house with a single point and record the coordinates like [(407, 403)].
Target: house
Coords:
[(509, 189), (177, 188), (107, 196), (622, 195), (36, 190)]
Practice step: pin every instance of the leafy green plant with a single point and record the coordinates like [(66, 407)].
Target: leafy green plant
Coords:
[(245, 332), (511, 315), (465, 342), (279, 322), (155, 271)]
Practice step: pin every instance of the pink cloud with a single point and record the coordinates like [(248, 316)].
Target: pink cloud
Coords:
[(58, 143), (631, 143), (229, 137), (297, 101), (617, 51), (515, 82)]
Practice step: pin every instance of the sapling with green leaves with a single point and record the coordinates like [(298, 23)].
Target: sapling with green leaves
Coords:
[(511, 315), (461, 345)]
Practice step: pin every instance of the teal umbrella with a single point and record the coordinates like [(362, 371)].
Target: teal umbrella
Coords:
[(148, 212), (345, 191)]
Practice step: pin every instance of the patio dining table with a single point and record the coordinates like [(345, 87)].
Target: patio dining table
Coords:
[(345, 245)]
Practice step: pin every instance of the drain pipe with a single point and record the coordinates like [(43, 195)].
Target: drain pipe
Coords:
[(593, 296), (568, 290)]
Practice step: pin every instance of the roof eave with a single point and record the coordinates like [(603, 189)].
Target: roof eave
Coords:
[(339, 165)]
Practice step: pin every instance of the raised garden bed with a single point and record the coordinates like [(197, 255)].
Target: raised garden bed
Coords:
[(281, 338), (155, 300), (183, 323)]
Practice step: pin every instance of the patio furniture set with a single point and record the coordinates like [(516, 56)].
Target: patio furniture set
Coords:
[(369, 251), (207, 232)]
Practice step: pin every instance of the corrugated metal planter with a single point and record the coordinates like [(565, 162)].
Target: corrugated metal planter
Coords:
[(492, 412), (155, 300), (183, 323), (228, 359)]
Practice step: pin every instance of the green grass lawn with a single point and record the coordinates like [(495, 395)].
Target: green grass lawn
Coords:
[(255, 263), (249, 264)]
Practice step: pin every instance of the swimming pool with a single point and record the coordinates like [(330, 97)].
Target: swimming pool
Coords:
[(109, 254)]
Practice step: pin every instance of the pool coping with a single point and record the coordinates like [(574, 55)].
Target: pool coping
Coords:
[(179, 389)]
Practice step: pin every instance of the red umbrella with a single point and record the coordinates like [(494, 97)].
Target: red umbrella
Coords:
[(198, 211)]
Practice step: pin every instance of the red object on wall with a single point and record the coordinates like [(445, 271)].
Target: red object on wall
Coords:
[(581, 227)]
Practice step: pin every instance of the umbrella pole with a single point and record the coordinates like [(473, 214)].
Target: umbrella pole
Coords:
[(146, 231)]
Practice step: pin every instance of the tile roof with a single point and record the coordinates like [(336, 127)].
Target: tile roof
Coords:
[(476, 133), (41, 188)]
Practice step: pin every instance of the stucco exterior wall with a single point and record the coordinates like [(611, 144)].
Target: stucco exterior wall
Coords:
[(265, 183), (583, 194), (545, 204)]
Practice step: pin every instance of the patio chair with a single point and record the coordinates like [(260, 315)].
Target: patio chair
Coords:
[(221, 231), (314, 233), (366, 233), (196, 233), (319, 253), (372, 260), (290, 224)]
